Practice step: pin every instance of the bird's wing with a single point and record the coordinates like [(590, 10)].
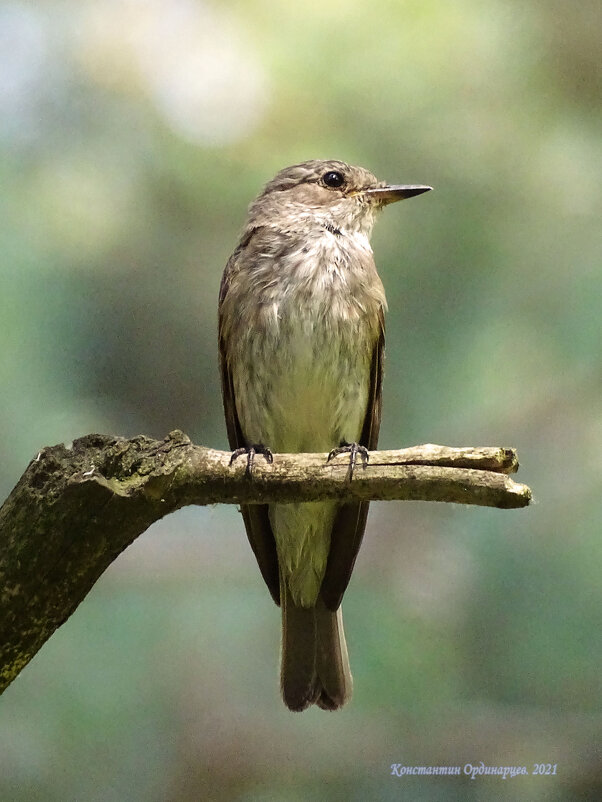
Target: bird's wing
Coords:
[(255, 516), (350, 522)]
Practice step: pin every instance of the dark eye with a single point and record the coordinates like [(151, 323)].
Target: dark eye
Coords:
[(333, 179)]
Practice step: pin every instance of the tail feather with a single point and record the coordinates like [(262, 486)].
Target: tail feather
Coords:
[(332, 659), (315, 664)]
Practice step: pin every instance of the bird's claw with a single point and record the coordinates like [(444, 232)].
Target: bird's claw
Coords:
[(250, 452), (353, 449)]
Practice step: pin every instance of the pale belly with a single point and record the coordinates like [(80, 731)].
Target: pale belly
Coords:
[(305, 390)]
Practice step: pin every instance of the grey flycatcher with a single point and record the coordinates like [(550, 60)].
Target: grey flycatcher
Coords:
[(301, 344)]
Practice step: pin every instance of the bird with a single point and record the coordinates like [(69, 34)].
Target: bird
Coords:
[(301, 330)]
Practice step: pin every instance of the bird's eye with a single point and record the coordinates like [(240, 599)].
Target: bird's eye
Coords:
[(333, 179)]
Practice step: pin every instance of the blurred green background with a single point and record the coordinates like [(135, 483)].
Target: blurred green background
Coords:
[(134, 134)]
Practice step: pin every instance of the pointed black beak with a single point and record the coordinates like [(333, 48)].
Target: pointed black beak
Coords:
[(395, 192)]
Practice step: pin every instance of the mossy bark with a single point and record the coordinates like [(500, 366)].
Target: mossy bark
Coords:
[(77, 507)]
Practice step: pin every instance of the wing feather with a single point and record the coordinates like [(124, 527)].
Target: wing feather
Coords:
[(350, 522), (255, 516)]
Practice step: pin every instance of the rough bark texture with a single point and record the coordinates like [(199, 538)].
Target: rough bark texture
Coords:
[(77, 507)]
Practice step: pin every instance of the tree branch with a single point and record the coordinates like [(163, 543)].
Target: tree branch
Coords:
[(78, 506)]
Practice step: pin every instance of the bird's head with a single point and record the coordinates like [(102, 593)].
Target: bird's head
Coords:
[(326, 193)]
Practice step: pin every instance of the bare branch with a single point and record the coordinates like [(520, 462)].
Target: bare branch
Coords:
[(77, 507)]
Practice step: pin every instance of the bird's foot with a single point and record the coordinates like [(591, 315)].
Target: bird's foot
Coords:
[(353, 449), (251, 452)]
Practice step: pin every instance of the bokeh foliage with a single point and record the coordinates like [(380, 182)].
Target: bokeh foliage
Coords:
[(134, 134)]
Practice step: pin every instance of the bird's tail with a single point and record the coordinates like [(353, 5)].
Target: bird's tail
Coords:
[(315, 663)]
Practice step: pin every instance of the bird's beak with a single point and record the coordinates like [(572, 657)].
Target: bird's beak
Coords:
[(395, 192)]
